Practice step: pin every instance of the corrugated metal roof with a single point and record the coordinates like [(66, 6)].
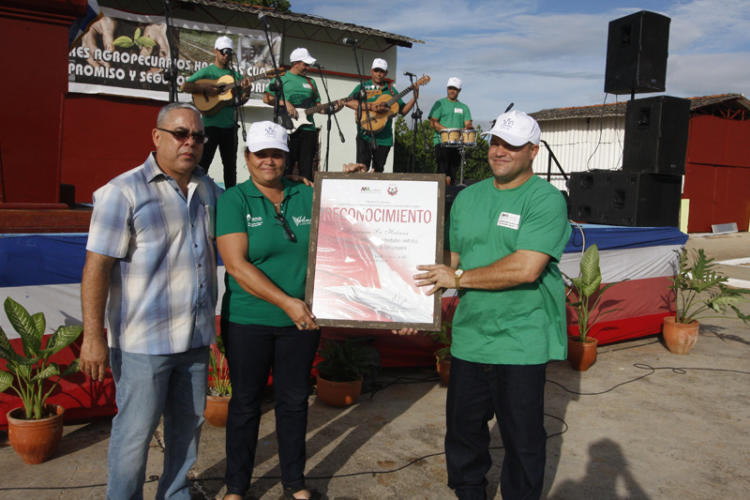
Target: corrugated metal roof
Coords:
[(401, 40), (726, 102)]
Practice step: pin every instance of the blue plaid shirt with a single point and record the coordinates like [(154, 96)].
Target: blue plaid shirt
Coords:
[(163, 286)]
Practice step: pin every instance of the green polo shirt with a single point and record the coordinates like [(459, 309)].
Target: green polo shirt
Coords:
[(302, 92), (244, 209), (525, 324), (450, 114), (225, 117), (385, 136)]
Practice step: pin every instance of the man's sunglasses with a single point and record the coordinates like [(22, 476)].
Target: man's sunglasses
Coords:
[(226, 52), (182, 135), (287, 230)]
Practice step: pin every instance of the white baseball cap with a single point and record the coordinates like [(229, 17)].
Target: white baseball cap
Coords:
[(267, 135), (454, 82), (224, 42), (301, 54), (516, 128), (379, 63)]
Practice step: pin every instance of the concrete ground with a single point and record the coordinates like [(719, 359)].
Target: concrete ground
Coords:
[(641, 423)]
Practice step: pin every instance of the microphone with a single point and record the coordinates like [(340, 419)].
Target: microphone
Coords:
[(349, 41), (407, 73), (262, 17), (510, 106)]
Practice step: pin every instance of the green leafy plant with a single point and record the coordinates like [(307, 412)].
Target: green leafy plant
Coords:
[(218, 371), (348, 360), (27, 372), (585, 292), (138, 40), (701, 292), (442, 339)]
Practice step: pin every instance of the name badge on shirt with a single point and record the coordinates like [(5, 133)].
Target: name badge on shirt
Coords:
[(460, 111), (511, 221), (307, 85)]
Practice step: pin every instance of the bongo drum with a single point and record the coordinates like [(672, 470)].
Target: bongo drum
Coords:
[(469, 137), (450, 137)]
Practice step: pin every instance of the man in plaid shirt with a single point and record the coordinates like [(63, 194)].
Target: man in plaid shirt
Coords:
[(151, 251)]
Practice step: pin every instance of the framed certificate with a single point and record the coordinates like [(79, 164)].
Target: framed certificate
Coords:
[(369, 232)]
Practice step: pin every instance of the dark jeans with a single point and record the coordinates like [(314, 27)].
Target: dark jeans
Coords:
[(253, 350), (365, 154), (448, 161), (303, 144), (226, 140), (515, 395)]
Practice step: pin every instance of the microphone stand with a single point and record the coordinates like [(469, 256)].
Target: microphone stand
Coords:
[(174, 53), (416, 117), (329, 115), (361, 100), (239, 112), (280, 114)]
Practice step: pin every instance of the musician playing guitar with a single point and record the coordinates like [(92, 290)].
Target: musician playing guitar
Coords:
[(221, 127), (300, 91), (376, 154)]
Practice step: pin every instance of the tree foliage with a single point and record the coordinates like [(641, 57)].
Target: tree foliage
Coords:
[(280, 5), (476, 167)]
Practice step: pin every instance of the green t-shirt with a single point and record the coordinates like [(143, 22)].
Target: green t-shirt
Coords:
[(385, 136), (525, 324), (302, 92), (244, 209), (450, 114), (225, 117)]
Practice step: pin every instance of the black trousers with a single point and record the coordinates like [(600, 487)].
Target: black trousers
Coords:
[(252, 352), (514, 394), (448, 161), (226, 140), (365, 154), (303, 145)]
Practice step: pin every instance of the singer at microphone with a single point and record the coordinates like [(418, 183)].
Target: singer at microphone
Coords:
[(300, 92), (375, 115)]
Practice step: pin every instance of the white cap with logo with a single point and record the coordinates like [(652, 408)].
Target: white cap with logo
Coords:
[(516, 128), (379, 63), (454, 82), (266, 135), (224, 42), (301, 54)]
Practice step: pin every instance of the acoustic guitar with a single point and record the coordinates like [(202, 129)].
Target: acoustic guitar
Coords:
[(303, 113), (209, 105), (373, 121)]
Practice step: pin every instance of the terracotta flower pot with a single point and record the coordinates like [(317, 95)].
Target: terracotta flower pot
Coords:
[(217, 408), (35, 440), (679, 337), (581, 355), (444, 369), (338, 393)]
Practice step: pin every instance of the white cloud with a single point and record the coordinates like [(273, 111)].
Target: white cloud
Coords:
[(521, 52)]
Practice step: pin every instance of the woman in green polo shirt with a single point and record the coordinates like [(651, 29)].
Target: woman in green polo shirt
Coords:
[(263, 230)]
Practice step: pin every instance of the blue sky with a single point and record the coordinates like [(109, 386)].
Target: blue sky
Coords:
[(546, 54)]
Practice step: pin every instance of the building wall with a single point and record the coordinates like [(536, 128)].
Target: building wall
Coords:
[(581, 144)]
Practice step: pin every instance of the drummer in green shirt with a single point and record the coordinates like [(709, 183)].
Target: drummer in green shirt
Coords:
[(449, 112)]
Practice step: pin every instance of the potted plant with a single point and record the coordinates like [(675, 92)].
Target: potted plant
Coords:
[(443, 353), (344, 365), (219, 386), (584, 296), (35, 429), (700, 292)]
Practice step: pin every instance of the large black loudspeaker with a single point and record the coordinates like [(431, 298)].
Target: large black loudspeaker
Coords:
[(624, 198), (656, 135), (637, 53)]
